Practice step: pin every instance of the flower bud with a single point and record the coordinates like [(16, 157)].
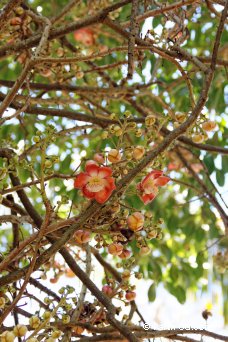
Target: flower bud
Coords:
[(125, 254), (127, 113), (126, 275), (7, 336), (149, 120), (79, 74), (130, 295), (135, 221), (115, 248), (98, 157), (34, 322), (138, 133), (82, 236), (46, 315), (180, 117), (138, 152), (20, 330), (114, 156), (104, 135), (65, 319), (152, 234), (56, 333), (107, 290), (144, 250)]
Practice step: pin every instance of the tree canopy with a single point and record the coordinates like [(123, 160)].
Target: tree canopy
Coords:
[(113, 129)]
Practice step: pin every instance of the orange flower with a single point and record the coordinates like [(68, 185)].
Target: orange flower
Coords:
[(148, 187), (96, 183)]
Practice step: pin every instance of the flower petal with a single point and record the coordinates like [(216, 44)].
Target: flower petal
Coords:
[(147, 198), (81, 180), (161, 181), (92, 168), (103, 195), (105, 172), (87, 193), (152, 175)]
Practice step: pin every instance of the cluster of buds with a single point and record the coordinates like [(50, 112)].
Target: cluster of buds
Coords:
[(207, 126)]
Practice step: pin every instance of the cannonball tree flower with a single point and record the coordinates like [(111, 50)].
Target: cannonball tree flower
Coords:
[(148, 187), (96, 182)]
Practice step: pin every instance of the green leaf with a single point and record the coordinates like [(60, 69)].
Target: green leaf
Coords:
[(209, 162), (220, 177), (152, 292)]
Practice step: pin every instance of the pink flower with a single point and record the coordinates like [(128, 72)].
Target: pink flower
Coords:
[(148, 187), (96, 183)]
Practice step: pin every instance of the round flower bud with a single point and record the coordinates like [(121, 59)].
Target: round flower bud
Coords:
[(149, 120), (82, 236), (45, 72), (152, 234), (115, 248), (104, 135), (209, 126), (65, 319), (7, 336), (46, 315), (113, 116), (130, 295), (138, 152), (135, 221), (19, 10), (48, 163), (180, 117), (138, 133), (98, 157), (20, 330), (126, 275), (144, 250), (36, 139), (198, 138), (127, 113), (79, 74), (107, 290), (114, 156), (2, 302), (56, 334), (34, 322), (125, 254)]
